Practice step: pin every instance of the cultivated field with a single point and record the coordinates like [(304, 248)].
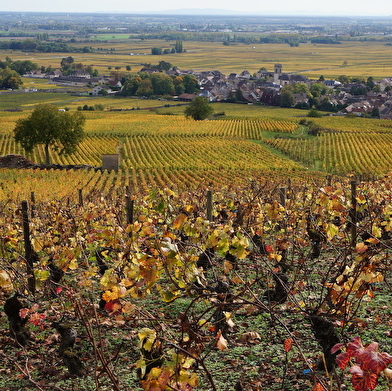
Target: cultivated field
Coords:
[(161, 150), (312, 60)]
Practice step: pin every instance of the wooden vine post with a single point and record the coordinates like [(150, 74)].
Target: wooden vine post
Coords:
[(29, 252), (329, 180), (282, 196), (32, 206), (80, 194), (354, 217), (129, 205), (209, 205)]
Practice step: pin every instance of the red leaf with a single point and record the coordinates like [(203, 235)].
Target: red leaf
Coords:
[(374, 361), (23, 312), (269, 248), (318, 387), (342, 359), (366, 381), (288, 344), (58, 290), (356, 370), (336, 347), (114, 307), (355, 346)]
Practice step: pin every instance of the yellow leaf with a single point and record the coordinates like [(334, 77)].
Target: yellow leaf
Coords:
[(221, 341), (109, 296), (169, 192), (376, 231), (5, 281), (180, 220), (73, 265), (41, 275), (332, 230), (227, 266), (147, 338)]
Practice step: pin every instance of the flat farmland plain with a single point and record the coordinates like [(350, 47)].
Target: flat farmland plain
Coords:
[(348, 58)]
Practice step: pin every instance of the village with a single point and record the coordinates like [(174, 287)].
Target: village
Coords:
[(338, 97)]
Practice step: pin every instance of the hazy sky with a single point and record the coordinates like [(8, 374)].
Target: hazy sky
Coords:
[(282, 7)]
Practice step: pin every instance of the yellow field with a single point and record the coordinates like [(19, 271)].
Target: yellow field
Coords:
[(363, 58)]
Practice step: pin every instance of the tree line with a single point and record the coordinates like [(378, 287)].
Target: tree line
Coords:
[(34, 45), (150, 84)]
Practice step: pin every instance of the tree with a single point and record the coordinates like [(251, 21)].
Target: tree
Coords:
[(162, 84), (286, 98), (66, 63), (299, 88), (344, 79), (314, 114), (178, 47), (10, 79), (199, 109), (156, 51), (54, 129), (375, 112), (191, 84), (164, 65)]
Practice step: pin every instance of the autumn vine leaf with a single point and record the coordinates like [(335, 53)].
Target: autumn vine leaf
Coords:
[(369, 363), (288, 344)]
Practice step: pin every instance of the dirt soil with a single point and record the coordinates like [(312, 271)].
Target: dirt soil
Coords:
[(15, 161)]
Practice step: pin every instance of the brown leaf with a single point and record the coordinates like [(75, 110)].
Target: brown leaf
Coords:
[(251, 337)]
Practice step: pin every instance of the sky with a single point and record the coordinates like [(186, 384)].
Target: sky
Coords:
[(262, 7)]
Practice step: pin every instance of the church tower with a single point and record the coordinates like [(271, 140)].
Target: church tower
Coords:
[(277, 73)]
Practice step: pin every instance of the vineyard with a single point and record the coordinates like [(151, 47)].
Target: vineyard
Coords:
[(344, 147), (171, 151), (216, 258), (244, 286), (159, 151)]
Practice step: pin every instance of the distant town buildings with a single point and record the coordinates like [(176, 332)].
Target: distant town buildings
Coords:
[(263, 87)]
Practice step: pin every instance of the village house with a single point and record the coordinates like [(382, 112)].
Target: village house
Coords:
[(97, 90)]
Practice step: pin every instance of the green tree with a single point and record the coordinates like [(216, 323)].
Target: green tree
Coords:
[(319, 89), (199, 109), (164, 65), (156, 51), (145, 88), (314, 114), (162, 84), (191, 84), (54, 129), (66, 63), (23, 67), (286, 97), (375, 112), (299, 88), (344, 79), (370, 83), (178, 47), (10, 79), (238, 95), (131, 86)]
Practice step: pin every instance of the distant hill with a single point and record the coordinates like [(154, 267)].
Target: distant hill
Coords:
[(222, 12), (198, 11)]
